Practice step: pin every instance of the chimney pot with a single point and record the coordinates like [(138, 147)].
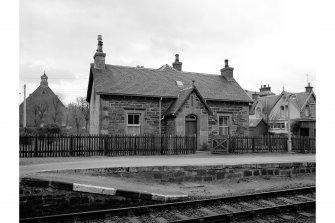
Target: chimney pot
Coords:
[(227, 71), (99, 56), (177, 64), (226, 63)]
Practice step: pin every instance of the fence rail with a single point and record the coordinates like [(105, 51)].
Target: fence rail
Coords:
[(267, 143), (117, 145)]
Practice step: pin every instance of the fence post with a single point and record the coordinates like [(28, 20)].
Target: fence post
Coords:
[(253, 144), (36, 148), (135, 145), (105, 146), (71, 146), (161, 142)]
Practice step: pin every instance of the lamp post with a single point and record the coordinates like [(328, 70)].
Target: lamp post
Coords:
[(289, 141)]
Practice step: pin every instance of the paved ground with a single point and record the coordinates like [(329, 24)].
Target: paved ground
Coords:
[(34, 167)]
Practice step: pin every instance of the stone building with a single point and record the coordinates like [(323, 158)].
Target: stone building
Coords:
[(167, 100), (43, 107)]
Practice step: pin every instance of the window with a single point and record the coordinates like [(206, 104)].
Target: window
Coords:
[(307, 111), (134, 127), (192, 100), (180, 84), (277, 125), (224, 125)]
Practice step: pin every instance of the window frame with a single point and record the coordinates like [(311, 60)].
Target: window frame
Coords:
[(141, 113), (228, 126)]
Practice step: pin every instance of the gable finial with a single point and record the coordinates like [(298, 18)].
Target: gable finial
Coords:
[(193, 82)]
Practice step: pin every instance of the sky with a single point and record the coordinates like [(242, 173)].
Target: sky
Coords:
[(267, 42)]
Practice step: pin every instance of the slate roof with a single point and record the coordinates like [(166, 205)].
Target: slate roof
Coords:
[(269, 102), (41, 93), (123, 80), (253, 122), (182, 97)]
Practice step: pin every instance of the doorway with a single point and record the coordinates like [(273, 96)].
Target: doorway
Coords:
[(191, 126)]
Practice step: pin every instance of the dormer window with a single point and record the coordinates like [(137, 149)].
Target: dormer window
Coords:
[(180, 84)]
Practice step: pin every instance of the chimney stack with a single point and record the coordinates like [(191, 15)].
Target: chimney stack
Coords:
[(176, 64), (265, 88), (99, 56), (227, 71), (255, 95), (309, 88)]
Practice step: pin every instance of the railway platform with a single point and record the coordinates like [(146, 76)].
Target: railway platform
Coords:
[(69, 170)]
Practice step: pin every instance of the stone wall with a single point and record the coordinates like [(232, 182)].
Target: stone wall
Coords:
[(45, 200), (196, 108), (239, 113), (178, 174), (94, 112), (114, 110)]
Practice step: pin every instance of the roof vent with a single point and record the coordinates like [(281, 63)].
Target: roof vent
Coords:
[(180, 84)]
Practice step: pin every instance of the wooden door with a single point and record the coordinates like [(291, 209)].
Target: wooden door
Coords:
[(191, 128)]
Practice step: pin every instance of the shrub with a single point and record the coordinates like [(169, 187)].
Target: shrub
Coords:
[(204, 147), (50, 129)]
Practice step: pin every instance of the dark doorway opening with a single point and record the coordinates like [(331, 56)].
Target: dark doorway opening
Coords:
[(304, 131), (191, 125)]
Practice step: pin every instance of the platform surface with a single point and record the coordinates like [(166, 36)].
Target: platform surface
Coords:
[(33, 165)]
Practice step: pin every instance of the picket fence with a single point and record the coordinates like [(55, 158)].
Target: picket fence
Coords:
[(114, 145)]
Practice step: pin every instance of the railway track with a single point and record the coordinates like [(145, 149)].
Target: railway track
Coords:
[(300, 201)]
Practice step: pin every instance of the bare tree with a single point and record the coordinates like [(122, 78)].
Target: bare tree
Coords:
[(35, 114), (84, 108), (57, 106), (42, 110), (76, 116)]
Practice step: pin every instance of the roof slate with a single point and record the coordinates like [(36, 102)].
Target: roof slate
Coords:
[(253, 122), (122, 80)]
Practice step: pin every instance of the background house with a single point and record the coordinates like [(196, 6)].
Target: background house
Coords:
[(167, 100), (263, 91), (43, 107), (274, 111), (257, 127)]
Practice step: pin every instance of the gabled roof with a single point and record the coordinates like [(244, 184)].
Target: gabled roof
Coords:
[(134, 81), (253, 122), (269, 102), (182, 97), (43, 93)]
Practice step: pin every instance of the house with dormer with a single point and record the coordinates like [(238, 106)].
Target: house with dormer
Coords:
[(273, 109), (165, 100)]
